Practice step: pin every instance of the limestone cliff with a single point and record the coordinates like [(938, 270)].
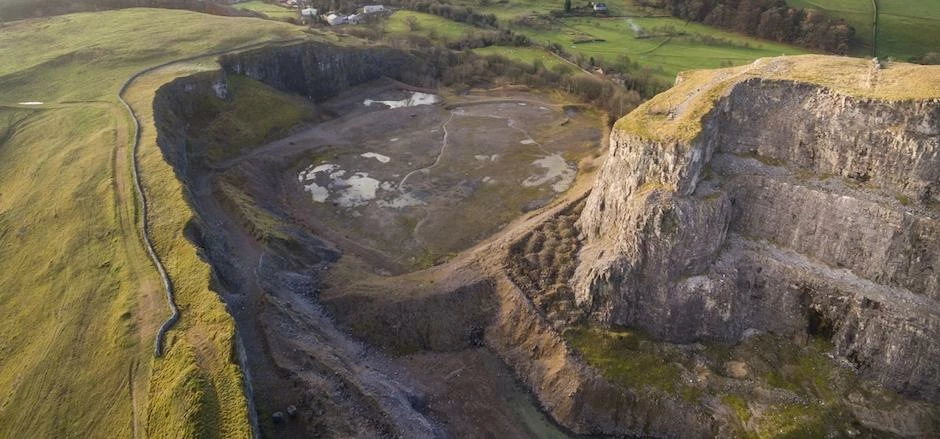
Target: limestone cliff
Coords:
[(797, 196), (318, 70)]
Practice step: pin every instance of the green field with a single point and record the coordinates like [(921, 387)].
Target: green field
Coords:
[(430, 26), (859, 13), (79, 299), (700, 47), (271, 10), (642, 40), (906, 28), (527, 55), (507, 10)]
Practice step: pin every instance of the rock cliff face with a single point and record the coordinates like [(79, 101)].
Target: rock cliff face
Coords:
[(318, 70), (760, 199)]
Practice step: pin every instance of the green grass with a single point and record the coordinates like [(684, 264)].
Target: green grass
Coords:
[(527, 55), (65, 291), (618, 354), (254, 115), (271, 10), (698, 92), (507, 10), (906, 28), (79, 300), (87, 56), (858, 13), (665, 56), (430, 26)]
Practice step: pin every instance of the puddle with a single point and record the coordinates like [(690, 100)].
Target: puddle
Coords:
[(350, 192), (558, 172), (325, 182), (379, 157), (319, 193), (31, 103), (487, 158), (358, 189), (416, 98)]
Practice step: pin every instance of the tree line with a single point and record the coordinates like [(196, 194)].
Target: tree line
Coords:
[(768, 19)]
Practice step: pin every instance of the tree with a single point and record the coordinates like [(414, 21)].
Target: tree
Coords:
[(567, 6), (412, 23)]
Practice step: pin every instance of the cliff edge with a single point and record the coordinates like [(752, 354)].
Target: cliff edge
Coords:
[(796, 196)]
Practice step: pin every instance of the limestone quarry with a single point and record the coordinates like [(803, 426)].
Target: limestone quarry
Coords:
[(753, 253)]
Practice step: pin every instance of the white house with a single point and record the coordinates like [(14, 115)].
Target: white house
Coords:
[(371, 9), (308, 13)]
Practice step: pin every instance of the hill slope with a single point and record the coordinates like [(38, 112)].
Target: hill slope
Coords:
[(79, 298)]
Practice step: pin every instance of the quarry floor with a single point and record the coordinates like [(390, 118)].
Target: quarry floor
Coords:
[(396, 190), (409, 187)]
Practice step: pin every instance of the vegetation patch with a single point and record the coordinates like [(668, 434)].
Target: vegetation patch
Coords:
[(252, 115), (623, 356)]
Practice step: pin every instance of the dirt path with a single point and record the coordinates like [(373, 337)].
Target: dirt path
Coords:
[(453, 112), (437, 160)]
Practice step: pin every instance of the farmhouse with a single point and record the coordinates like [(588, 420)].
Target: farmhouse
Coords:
[(371, 9)]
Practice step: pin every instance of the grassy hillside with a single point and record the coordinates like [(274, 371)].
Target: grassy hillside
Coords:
[(79, 300)]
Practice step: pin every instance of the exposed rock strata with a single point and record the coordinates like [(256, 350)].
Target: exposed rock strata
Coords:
[(794, 208)]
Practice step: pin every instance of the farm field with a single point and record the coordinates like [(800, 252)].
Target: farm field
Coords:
[(694, 46), (431, 26), (859, 13), (274, 11), (906, 28), (79, 298), (665, 46), (527, 55)]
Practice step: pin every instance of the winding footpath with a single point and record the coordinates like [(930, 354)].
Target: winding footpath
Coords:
[(142, 196), (144, 230)]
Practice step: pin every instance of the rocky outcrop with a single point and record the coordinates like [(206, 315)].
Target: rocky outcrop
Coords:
[(801, 208)]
